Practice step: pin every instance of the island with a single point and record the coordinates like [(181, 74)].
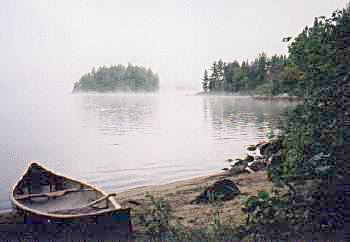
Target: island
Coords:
[(118, 78)]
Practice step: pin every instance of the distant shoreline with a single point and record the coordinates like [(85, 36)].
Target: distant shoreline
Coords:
[(256, 97)]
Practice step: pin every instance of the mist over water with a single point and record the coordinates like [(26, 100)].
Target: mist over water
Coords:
[(120, 141)]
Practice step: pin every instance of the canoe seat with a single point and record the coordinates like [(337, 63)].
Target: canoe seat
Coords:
[(52, 194), (106, 197)]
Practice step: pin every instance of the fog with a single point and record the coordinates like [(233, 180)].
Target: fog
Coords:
[(48, 45)]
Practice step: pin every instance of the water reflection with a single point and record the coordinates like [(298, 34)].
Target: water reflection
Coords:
[(236, 117), (119, 114)]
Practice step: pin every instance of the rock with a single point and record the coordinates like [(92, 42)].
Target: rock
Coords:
[(251, 148), (229, 160), (258, 166), (249, 158), (259, 158), (238, 169), (222, 190), (249, 169), (244, 162), (270, 148), (225, 169), (263, 148), (239, 161)]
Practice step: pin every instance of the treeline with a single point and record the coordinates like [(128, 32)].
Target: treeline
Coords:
[(265, 75), (280, 73), (118, 78)]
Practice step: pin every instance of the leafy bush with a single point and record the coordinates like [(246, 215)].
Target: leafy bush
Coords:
[(307, 166), (156, 219)]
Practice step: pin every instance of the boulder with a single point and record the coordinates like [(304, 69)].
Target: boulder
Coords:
[(222, 190)]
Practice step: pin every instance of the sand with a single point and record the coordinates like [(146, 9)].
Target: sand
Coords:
[(180, 194)]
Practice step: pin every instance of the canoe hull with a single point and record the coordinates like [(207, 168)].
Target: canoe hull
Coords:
[(51, 204), (121, 216)]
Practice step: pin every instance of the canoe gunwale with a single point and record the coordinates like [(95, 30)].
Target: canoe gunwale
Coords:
[(36, 212)]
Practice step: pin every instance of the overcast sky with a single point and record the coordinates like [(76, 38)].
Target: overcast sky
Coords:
[(50, 44)]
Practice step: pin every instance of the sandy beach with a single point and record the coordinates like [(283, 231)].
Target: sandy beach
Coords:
[(180, 194)]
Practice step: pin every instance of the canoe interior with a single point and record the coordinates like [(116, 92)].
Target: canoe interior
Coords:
[(38, 180)]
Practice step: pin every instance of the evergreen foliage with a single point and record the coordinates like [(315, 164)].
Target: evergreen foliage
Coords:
[(118, 78), (267, 75)]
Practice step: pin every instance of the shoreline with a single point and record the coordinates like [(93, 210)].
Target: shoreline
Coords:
[(255, 97), (180, 193)]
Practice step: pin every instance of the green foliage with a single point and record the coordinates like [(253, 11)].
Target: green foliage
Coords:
[(157, 219), (264, 90), (205, 81), (313, 52), (310, 129), (161, 225), (276, 215), (118, 78), (306, 165), (262, 76)]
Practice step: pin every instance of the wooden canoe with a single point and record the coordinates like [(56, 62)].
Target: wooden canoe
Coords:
[(45, 197)]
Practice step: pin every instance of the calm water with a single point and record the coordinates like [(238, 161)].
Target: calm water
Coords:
[(120, 141)]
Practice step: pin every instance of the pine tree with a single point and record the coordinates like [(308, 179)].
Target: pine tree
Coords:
[(205, 81), (220, 75), (214, 77)]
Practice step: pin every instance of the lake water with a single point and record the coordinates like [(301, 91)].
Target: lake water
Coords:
[(121, 141)]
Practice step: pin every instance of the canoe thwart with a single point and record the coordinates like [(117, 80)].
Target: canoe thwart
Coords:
[(58, 193)]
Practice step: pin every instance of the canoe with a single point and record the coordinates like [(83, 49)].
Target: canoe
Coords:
[(43, 196)]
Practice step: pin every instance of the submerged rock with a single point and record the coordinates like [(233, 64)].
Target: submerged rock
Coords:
[(222, 190)]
